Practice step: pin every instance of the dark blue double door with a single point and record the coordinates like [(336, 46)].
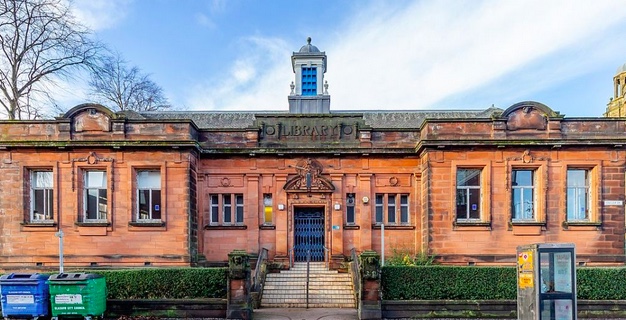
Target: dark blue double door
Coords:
[(309, 233)]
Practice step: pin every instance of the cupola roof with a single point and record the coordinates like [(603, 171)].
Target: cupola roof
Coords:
[(308, 47)]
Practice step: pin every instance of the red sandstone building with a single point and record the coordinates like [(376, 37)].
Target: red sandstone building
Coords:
[(187, 188)]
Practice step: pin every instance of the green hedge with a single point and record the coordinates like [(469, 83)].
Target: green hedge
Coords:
[(488, 283), (601, 283), (450, 283), (178, 283)]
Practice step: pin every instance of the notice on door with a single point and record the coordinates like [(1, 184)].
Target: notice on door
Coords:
[(68, 299)]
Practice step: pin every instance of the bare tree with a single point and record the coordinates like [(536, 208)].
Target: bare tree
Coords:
[(127, 88), (40, 40)]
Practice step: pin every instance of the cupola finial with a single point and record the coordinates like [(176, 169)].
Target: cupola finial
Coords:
[(308, 40)]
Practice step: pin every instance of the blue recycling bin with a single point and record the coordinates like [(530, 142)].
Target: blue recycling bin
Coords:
[(24, 295)]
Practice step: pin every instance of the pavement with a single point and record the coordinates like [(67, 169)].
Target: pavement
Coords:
[(305, 314)]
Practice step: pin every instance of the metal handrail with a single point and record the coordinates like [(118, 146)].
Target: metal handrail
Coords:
[(355, 269), (258, 278), (308, 262)]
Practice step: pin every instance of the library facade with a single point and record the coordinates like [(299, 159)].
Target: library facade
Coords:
[(187, 188)]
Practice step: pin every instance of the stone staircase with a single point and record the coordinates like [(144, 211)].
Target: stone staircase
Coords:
[(327, 288)]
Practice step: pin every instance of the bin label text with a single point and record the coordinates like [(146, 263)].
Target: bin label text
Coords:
[(68, 299), (20, 299)]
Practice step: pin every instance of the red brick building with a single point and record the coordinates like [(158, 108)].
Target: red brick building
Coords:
[(181, 188)]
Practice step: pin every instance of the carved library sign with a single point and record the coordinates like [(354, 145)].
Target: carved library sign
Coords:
[(311, 128)]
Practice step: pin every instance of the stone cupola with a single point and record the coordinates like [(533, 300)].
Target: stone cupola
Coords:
[(617, 104), (309, 92)]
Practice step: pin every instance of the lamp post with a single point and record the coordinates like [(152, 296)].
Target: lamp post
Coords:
[(60, 235)]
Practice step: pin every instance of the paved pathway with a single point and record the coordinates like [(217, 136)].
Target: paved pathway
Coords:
[(305, 314)]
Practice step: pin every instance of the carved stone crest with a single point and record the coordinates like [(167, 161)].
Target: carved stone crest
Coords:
[(308, 178)]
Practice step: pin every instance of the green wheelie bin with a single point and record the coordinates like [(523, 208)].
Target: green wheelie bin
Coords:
[(77, 295)]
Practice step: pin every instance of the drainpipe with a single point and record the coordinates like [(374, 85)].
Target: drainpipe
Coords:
[(382, 245), (60, 235)]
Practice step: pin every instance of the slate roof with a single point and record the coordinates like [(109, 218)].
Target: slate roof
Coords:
[(376, 119)]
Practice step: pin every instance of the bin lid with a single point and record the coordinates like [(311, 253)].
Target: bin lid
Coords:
[(22, 277), (74, 276)]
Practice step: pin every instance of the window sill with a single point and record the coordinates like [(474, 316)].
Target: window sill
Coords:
[(267, 227), (92, 224), (527, 228), (394, 227), (47, 226), (146, 226), (471, 225), (582, 225), (233, 227), (351, 227)]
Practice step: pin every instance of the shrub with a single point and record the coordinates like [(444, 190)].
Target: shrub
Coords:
[(175, 283), (488, 283), (446, 282), (403, 257)]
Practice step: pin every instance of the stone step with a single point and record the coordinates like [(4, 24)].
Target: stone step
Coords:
[(311, 275), (327, 288), (302, 287), (302, 294), (345, 300), (303, 305)]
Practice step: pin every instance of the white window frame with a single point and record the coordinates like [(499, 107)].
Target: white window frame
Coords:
[(404, 209), (100, 217), (586, 189), (214, 209), (522, 188), (150, 189), (48, 197), (389, 205), (229, 207), (467, 189), (379, 209), (239, 209)]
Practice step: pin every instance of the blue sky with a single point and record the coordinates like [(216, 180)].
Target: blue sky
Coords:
[(382, 55)]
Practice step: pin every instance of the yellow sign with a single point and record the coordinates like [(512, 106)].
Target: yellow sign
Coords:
[(525, 280), (525, 269), (525, 261)]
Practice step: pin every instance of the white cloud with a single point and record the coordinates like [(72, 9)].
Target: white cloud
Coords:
[(100, 14), (217, 6), (434, 49), (389, 57), (205, 21), (259, 76)]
